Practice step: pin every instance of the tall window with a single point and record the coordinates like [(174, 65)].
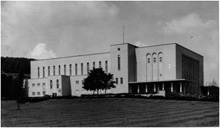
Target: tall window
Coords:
[(116, 80), (59, 69), (121, 80), (87, 67), (48, 70), (154, 60), (64, 69), (148, 60), (119, 62), (43, 72), (106, 66), (57, 83), (160, 59), (75, 69), (100, 64), (81, 68), (54, 70), (51, 84), (93, 64), (70, 69), (38, 72)]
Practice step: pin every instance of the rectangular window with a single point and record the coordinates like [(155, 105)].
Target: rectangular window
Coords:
[(43, 72), (44, 84), (121, 80), (77, 82), (106, 66), (38, 72), (54, 70), (64, 69), (33, 84), (48, 70), (116, 80), (87, 67), (59, 69), (51, 84), (75, 69), (38, 93), (93, 64), (81, 68), (160, 59), (154, 60), (57, 83), (148, 59), (38, 84), (119, 62), (70, 69), (100, 64), (33, 93)]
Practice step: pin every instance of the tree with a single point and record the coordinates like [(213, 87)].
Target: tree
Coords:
[(98, 79), (19, 90)]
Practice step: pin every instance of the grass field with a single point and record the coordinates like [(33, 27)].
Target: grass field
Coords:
[(110, 112)]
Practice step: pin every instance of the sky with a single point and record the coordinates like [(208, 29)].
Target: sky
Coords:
[(43, 30)]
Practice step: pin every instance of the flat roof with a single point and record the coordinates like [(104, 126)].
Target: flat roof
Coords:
[(72, 56)]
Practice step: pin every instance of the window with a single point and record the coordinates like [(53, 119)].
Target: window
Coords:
[(106, 66), (77, 82), (51, 84), (44, 92), (43, 72), (64, 69), (70, 69), (100, 64), (38, 84), (38, 72), (121, 80), (81, 68), (75, 69), (33, 84), (33, 93), (57, 83), (44, 84), (148, 59), (118, 49), (38, 93), (116, 80), (54, 70), (119, 62), (48, 70), (59, 69), (160, 59), (154, 60), (87, 67), (93, 64)]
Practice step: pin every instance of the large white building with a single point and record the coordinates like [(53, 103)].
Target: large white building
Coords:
[(168, 67)]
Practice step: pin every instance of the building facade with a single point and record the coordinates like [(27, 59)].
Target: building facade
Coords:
[(169, 67)]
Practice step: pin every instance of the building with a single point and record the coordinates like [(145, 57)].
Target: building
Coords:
[(169, 67)]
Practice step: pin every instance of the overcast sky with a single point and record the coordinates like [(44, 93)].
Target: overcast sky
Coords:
[(55, 29)]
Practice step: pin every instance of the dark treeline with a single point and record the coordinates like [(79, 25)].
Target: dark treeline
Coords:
[(15, 65), (13, 72)]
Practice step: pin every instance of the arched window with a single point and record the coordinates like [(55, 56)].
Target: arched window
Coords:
[(119, 62)]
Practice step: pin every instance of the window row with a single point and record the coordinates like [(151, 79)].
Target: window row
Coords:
[(38, 84), (117, 80), (70, 69), (37, 93), (155, 56), (57, 84)]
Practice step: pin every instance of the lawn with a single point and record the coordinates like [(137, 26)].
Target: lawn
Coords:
[(110, 112)]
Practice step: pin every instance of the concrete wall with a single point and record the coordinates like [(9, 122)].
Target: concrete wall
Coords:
[(151, 71), (37, 86)]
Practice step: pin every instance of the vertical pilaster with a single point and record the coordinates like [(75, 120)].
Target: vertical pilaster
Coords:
[(138, 90), (171, 87), (181, 88), (154, 87), (146, 88), (162, 86)]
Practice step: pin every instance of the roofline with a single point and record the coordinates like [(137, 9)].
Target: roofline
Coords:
[(189, 50), (123, 43), (72, 56)]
